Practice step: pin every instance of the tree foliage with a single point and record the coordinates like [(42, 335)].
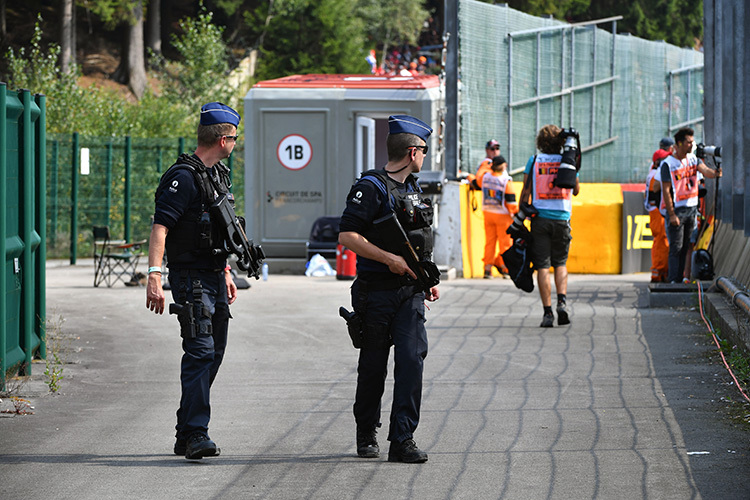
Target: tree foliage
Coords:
[(113, 12), (200, 73), (679, 22), (311, 36), (93, 110)]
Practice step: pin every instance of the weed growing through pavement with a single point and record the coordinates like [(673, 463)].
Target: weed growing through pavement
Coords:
[(13, 387), (54, 363)]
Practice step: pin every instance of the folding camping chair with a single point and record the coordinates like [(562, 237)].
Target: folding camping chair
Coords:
[(114, 260)]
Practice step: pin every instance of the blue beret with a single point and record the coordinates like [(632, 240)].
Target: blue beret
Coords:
[(216, 112), (405, 124)]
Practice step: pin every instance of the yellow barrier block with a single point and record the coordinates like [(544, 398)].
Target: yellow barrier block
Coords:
[(596, 227), (472, 232)]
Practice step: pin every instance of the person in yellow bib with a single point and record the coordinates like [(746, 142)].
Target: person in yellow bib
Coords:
[(492, 150), (652, 200), (499, 204)]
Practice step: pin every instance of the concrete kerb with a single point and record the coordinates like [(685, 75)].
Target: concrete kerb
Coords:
[(729, 321)]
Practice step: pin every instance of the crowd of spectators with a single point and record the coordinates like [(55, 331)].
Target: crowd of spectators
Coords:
[(409, 60)]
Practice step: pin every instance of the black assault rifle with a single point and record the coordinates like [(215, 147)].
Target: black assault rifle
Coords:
[(394, 237), (249, 257)]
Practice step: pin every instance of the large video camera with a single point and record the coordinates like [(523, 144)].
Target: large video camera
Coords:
[(702, 151), (570, 163), (516, 228)]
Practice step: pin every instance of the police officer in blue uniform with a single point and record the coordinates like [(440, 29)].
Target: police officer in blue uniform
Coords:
[(200, 280), (385, 294)]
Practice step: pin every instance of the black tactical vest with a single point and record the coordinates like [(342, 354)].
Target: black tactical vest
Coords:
[(413, 210), (195, 235)]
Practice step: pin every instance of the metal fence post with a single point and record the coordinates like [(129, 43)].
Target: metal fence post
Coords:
[(180, 146), (3, 232), (127, 188), (27, 208), (53, 193), (40, 283), (108, 180), (230, 162), (74, 200)]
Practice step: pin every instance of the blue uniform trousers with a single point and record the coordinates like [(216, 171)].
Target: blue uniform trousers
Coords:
[(399, 314), (204, 352)]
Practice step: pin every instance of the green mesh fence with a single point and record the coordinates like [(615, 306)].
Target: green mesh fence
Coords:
[(101, 193), (519, 72)]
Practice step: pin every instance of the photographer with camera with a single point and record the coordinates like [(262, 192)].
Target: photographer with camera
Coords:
[(550, 181), (680, 186)]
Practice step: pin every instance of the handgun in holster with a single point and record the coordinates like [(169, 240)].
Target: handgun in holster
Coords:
[(353, 325), (190, 313)]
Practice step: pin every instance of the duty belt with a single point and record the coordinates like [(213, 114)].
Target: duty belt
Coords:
[(391, 283)]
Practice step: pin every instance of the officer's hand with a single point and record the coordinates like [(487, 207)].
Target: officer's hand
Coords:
[(155, 294), (718, 172), (433, 295), (397, 265), (674, 220), (231, 288)]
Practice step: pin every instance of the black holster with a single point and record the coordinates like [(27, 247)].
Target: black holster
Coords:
[(190, 314), (353, 325)]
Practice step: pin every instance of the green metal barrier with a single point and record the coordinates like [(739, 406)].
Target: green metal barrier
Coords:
[(117, 192), (22, 230)]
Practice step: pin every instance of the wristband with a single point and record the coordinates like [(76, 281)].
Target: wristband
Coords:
[(154, 269)]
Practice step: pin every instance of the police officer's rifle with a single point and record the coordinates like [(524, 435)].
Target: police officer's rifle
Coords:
[(249, 257), (394, 237)]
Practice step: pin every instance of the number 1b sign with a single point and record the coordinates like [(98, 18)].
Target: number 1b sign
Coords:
[(294, 152)]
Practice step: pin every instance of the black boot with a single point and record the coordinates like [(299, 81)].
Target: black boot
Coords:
[(200, 445), (406, 452), (367, 444), (180, 446)]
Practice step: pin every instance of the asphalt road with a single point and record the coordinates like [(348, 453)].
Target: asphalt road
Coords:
[(625, 403)]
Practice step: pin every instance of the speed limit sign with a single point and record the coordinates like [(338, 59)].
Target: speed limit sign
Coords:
[(294, 152)]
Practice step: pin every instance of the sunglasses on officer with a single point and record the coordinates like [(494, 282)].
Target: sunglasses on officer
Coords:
[(423, 148)]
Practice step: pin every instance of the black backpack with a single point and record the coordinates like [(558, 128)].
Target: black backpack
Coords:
[(518, 261), (702, 265)]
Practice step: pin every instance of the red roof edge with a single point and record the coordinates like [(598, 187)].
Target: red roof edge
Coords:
[(352, 82)]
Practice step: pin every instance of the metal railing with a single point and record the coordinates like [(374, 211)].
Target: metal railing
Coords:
[(568, 88)]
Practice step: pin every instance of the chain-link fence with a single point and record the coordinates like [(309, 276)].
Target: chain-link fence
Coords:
[(621, 93), (118, 190)]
